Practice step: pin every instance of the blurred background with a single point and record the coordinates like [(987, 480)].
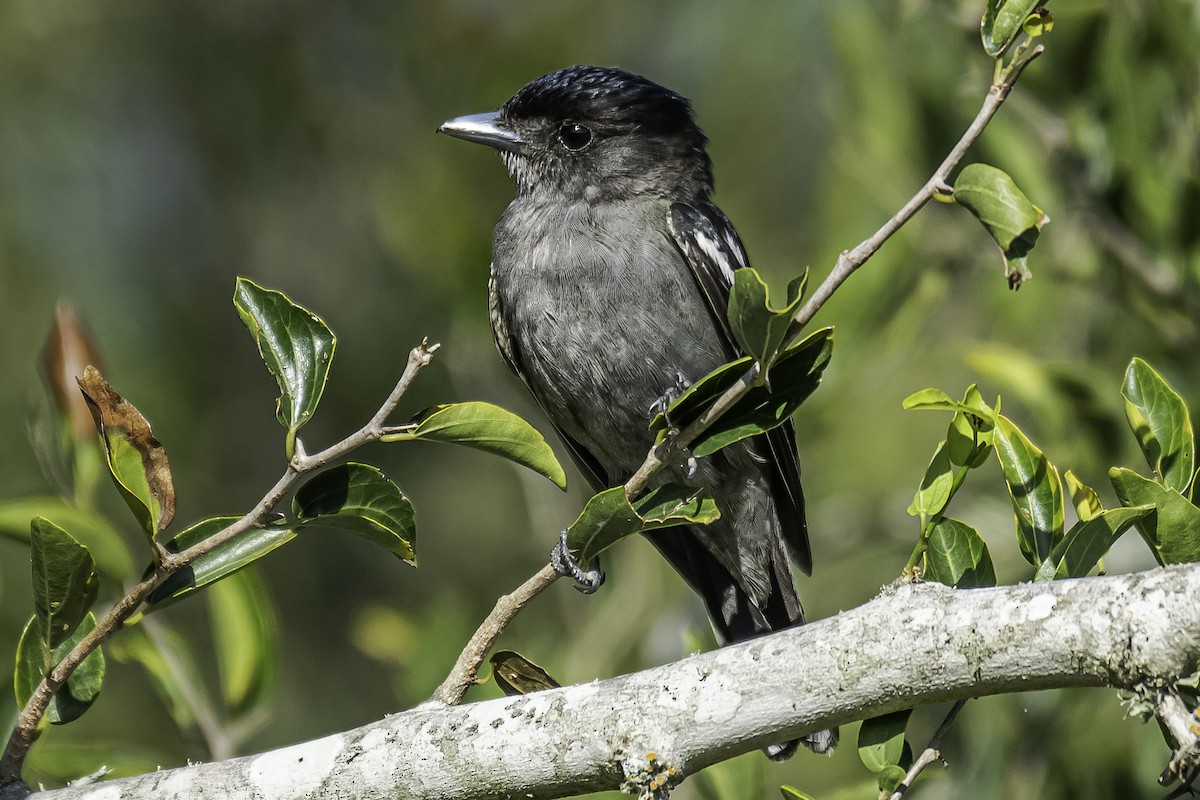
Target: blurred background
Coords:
[(151, 153)]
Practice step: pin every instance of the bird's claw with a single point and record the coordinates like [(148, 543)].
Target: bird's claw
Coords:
[(586, 580), (663, 403)]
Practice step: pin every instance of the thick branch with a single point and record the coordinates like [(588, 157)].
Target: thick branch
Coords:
[(912, 645)]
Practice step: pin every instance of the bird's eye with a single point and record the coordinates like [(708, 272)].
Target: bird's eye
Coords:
[(574, 136)]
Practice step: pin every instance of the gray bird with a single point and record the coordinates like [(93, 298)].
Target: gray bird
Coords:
[(609, 286)]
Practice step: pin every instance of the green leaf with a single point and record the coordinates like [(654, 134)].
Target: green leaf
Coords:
[(609, 517), (890, 778), (295, 344), (136, 461), (91, 528), (515, 674), (792, 793), (170, 664), (246, 636), (934, 492), (35, 659), (1035, 489), (1002, 21), (65, 582), (220, 563), (486, 427), (972, 405), (1087, 542), (957, 555), (758, 328), (1013, 222), (1173, 530), (969, 438), (1160, 421), (881, 740), (360, 499), (1039, 23), (1083, 497)]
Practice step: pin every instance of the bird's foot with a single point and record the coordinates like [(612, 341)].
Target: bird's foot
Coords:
[(586, 580), (673, 393)]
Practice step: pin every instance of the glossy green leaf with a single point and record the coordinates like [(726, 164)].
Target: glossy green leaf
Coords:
[(608, 516), (969, 437), (934, 492), (1173, 530), (295, 344), (1083, 497), (486, 427), (758, 328), (1035, 490), (65, 582), (222, 562), (1007, 214), (1087, 542), (89, 527), (1160, 421), (957, 555), (795, 376), (136, 460), (361, 499), (881, 740), (1002, 21), (515, 674), (245, 633), (35, 659)]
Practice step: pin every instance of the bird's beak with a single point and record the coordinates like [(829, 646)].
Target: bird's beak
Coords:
[(487, 128)]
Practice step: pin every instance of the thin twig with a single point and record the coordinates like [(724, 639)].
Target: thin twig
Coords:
[(465, 670), (930, 754), (847, 263), (25, 731)]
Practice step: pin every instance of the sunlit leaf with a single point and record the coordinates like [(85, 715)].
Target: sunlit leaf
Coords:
[(246, 637), (486, 427), (34, 661), (1035, 490), (136, 461), (1083, 497), (222, 561), (1173, 530), (758, 328), (792, 793), (1002, 21), (1160, 421), (957, 555), (1087, 542), (1007, 214), (515, 674), (934, 492), (295, 344), (361, 499), (65, 582), (609, 517)]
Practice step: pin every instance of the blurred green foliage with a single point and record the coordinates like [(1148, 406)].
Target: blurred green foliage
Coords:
[(151, 153)]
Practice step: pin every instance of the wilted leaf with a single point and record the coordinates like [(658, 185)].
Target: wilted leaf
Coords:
[(295, 344), (136, 460), (1160, 421), (515, 674), (1035, 489), (934, 492), (221, 562), (486, 427), (65, 582), (1173, 530), (68, 349), (1007, 214), (758, 328), (1002, 21), (89, 527), (34, 661), (608, 517), (957, 555), (246, 636), (1087, 542), (360, 499)]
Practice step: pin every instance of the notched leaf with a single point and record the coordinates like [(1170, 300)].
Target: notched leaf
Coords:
[(136, 461)]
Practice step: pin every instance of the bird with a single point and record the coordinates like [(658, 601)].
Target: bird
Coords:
[(609, 283)]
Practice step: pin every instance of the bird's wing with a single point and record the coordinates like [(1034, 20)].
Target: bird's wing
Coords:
[(712, 250)]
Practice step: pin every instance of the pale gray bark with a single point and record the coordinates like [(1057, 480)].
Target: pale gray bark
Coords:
[(912, 645)]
